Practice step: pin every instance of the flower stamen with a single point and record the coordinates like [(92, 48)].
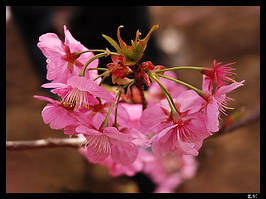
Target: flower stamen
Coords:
[(75, 99)]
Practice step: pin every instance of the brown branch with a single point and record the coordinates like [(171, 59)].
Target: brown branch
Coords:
[(78, 142), (139, 83), (45, 143), (253, 117)]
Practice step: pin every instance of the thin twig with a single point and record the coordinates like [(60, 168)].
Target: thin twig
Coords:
[(78, 142), (45, 143), (253, 117)]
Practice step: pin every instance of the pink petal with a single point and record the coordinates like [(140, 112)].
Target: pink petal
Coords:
[(124, 153), (188, 148), (112, 132), (134, 111), (87, 131), (122, 115), (46, 99), (74, 45), (70, 130), (228, 88), (98, 148), (69, 39), (97, 120), (151, 117), (54, 85), (57, 116), (51, 46), (212, 114), (90, 86), (160, 142), (163, 133), (58, 72), (139, 138), (207, 84), (190, 101), (198, 127)]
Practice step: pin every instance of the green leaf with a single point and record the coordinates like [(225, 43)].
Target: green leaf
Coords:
[(112, 42)]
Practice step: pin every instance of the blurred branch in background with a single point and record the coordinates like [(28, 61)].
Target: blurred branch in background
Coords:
[(243, 121), (45, 143), (78, 142)]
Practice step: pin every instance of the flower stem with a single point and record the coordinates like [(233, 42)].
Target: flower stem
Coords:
[(166, 93), (118, 98), (87, 51), (104, 54), (101, 69), (96, 51), (105, 122), (104, 75), (82, 73), (200, 92), (196, 68), (116, 108)]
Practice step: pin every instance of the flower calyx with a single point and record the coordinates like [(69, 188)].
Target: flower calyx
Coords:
[(134, 52)]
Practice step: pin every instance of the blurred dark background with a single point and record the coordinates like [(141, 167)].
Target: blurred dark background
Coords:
[(187, 36)]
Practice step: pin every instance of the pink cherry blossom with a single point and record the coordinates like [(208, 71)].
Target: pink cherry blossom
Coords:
[(216, 101), (56, 115), (170, 171), (183, 134), (79, 92), (62, 63), (102, 143), (118, 169), (219, 74), (134, 112)]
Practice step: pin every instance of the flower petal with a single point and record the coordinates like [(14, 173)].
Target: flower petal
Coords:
[(57, 116), (212, 113), (151, 117), (124, 153), (112, 132), (90, 86), (98, 148), (43, 98), (228, 88)]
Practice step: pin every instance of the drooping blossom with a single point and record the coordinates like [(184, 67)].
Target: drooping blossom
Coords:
[(131, 124), (219, 73), (109, 141), (216, 101), (183, 134), (170, 171), (117, 169), (79, 92), (62, 61), (56, 115)]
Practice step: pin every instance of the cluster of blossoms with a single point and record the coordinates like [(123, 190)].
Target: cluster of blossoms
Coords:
[(126, 129)]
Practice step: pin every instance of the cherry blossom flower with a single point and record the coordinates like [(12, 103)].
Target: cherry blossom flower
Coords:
[(118, 169), (219, 74), (162, 140), (102, 143), (62, 61), (170, 171), (183, 134), (79, 92), (216, 101), (56, 115)]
